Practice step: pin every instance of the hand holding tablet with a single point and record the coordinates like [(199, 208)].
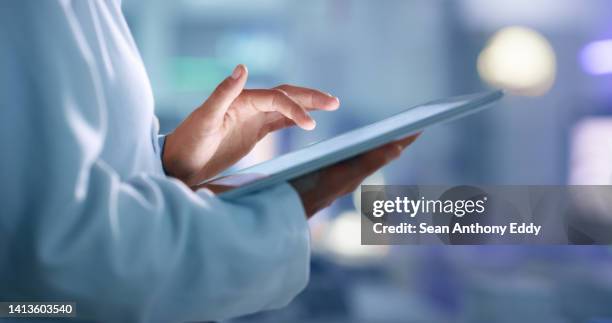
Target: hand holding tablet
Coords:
[(315, 159), (320, 188)]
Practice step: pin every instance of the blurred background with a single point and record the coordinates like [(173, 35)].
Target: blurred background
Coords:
[(553, 56)]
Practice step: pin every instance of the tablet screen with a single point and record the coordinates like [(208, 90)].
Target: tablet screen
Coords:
[(347, 140)]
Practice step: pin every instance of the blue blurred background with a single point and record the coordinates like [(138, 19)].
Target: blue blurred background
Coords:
[(553, 56)]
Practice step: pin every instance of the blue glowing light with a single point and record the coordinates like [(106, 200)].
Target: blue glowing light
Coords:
[(596, 57)]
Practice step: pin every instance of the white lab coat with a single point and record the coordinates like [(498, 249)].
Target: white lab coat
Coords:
[(86, 212)]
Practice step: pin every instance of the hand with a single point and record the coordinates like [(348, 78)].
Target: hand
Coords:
[(319, 189), (232, 120)]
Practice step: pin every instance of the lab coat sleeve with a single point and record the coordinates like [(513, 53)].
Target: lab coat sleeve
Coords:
[(144, 248), (159, 147)]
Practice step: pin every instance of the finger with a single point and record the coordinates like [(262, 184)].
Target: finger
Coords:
[(310, 98), (339, 180), (279, 101), (353, 171), (226, 92), (405, 142), (278, 122), (373, 160), (323, 187), (348, 175)]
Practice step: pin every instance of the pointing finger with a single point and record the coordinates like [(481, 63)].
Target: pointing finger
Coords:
[(310, 98)]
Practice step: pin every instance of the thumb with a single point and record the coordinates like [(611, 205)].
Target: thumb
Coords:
[(226, 92)]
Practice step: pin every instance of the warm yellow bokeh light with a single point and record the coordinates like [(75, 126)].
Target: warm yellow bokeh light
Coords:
[(519, 60)]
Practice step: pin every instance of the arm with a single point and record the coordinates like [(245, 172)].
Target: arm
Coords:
[(125, 249)]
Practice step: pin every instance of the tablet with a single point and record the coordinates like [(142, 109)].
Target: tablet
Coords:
[(349, 144)]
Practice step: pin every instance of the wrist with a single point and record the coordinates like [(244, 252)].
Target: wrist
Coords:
[(172, 163)]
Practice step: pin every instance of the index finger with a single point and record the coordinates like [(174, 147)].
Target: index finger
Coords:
[(311, 98)]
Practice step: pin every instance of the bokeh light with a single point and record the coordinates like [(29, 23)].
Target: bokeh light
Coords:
[(596, 57), (343, 241), (520, 60), (591, 152)]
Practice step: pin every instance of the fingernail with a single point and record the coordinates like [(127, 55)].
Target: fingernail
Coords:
[(398, 151), (332, 96), (333, 105), (311, 124), (237, 72)]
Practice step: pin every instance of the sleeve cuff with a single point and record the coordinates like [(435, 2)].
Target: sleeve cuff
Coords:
[(281, 207), (161, 141), (297, 237)]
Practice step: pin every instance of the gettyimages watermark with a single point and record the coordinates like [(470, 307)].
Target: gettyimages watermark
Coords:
[(472, 215)]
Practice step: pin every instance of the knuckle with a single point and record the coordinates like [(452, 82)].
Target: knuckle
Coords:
[(282, 100), (312, 98), (222, 88), (279, 94)]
